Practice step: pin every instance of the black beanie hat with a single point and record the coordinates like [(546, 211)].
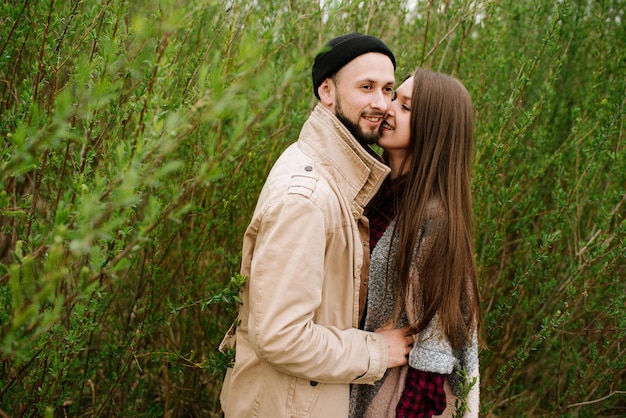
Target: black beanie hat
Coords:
[(340, 51)]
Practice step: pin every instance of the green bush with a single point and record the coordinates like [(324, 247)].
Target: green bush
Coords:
[(137, 135)]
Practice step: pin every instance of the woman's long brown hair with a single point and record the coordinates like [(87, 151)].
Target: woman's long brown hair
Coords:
[(439, 170)]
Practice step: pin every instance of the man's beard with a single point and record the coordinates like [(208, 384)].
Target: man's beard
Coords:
[(364, 138)]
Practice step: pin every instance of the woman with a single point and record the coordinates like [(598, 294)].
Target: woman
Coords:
[(422, 271)]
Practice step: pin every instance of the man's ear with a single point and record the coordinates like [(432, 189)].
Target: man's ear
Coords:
[(326, 90)]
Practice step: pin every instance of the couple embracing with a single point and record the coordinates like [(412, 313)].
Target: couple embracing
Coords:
[(362, 295)]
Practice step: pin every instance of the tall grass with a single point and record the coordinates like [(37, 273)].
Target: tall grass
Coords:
[(136, 136)]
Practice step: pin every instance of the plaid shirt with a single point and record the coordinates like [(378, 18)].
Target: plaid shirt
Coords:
[(382, 208), (424, 394)]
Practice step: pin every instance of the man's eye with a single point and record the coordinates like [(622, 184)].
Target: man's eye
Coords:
[(367, 87)]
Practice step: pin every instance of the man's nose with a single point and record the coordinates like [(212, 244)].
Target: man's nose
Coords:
[(381, 101)]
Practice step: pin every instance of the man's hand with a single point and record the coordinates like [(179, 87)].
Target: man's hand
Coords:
[(399, 345)]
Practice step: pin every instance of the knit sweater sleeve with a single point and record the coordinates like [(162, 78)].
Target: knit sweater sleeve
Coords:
[(465, 378), (432, 351)]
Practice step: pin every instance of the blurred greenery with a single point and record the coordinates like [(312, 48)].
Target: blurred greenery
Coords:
[(135, 137)]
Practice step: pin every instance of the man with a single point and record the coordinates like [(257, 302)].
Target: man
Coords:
[(306, 252)]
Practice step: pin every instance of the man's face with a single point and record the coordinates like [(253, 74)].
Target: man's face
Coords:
[(362, 95)]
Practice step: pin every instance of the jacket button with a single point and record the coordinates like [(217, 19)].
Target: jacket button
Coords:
[(308, 168), (313, 383)]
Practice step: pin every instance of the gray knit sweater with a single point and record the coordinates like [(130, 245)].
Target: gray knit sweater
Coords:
[(431, 352)]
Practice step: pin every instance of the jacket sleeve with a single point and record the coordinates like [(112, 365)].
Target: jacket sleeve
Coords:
[(286, 288)]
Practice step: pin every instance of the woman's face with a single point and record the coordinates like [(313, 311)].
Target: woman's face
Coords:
[(395, 130)]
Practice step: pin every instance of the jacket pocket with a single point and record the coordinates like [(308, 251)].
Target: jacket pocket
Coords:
[(303, 394)]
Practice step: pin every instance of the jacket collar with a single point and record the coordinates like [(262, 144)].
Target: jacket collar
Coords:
[(358, 172)]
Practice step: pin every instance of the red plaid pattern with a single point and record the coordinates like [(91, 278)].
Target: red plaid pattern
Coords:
[(423, 396), (382, 209)]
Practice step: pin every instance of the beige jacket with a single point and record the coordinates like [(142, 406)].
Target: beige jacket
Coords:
[(297, 344)]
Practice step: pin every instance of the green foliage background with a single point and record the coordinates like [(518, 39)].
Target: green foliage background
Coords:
[(135, 137)]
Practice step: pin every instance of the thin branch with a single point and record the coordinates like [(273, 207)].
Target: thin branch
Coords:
[(615, 392)]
